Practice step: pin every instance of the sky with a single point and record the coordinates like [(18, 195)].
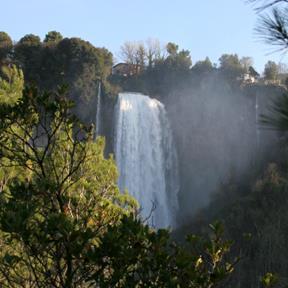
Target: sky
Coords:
[(204, 27)]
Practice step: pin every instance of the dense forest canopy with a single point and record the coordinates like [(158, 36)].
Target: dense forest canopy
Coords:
[(58, 61), (155, 68)]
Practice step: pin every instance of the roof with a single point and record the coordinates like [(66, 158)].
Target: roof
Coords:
[(119, 64)]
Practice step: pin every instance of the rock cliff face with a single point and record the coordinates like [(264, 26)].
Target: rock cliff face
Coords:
[(219, 136)]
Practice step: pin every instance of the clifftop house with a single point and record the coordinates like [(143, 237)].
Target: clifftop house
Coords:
[(125, 69)]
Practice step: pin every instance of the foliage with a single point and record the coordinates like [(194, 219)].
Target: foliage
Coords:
[(267, 3), (27, 53), (156, 73), (134, 255), (204, 66), (181, 59), (57, 61), (277, 118), (81, 65), (172, 49), (255, 218), (253, 72), (141, 54), (5, 45), (53, 37), (231, 66), (54, 211), (269, 280), (11, 84), (271, 71), (272, 27)]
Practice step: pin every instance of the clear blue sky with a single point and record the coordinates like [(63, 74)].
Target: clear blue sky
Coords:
[(205, 27)]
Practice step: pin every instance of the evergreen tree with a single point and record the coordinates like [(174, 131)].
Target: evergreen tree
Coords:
[(203, 66), (27, 53), (5, 45), (230, 66), (54, 211), (11, 84), (53, 37), (271, 71)]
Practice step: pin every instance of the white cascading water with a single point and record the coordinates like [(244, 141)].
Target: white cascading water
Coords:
[(146, 157), (257, 121), (98, 111)]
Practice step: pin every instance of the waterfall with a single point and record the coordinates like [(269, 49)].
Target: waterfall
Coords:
[(98, 111), (257, 121), (146, 157)]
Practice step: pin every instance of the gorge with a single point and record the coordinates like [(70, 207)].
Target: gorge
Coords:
[(150, 141)]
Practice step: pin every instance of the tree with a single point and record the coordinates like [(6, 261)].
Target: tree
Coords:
[(128, 52), (253, 72), (135, 55), (28, 54), (153, 50), (141, 54), (11, 84), (30, 40), (267, 3), (134, 255), (177, 60), (246, 63), (69, 61), (172, 49), (53, 37), (5, 45), (271, 71), (230, 65), (273, 28), (81, 65), (54, 211), (282, 68), (277, 116), (203, 66)]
